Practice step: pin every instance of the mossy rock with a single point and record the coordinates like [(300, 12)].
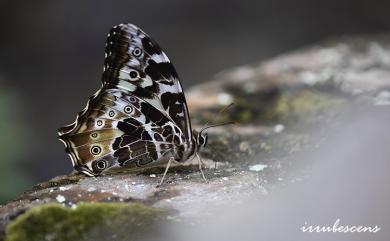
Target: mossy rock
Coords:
[(307, 105), (86, 221)]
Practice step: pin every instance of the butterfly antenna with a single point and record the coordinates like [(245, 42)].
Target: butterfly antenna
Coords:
[(215, 125), (224, 109), (220, 112)]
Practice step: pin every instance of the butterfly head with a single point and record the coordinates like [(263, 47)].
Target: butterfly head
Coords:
[(202, 137)]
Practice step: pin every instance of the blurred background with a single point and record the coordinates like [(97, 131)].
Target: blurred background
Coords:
[(51, 56)]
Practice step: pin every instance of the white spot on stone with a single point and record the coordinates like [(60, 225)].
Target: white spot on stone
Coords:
[(383, 98), (244, 146), (60, 198), (280, 179), (152, 175), (224, 99), (64, 188), (278, 128), (225, 178), (257, 167), (91, 189), (309, 78)]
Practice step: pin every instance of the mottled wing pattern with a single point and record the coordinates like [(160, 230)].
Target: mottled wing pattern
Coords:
[(116, 131), (135, 62), (139, 116)]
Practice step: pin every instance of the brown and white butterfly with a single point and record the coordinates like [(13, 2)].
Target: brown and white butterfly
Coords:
[(138, 117)]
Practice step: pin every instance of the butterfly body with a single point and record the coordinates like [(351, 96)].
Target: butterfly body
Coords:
[(139, 117)]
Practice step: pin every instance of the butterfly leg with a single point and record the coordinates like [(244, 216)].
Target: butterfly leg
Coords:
[(200, 166), (166, 170)]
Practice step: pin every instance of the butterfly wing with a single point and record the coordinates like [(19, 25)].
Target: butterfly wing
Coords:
[(138, 117), (118, 130), (136, 63)]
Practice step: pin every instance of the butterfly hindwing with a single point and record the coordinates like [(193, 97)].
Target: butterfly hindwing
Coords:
[(116, 127)]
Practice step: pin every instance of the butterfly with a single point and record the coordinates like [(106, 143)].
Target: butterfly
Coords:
[(138, 117)]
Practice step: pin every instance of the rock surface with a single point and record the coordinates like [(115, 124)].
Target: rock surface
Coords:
[(277, 105)]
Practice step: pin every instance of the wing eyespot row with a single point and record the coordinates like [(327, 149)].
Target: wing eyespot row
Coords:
[(132, 99), (137, 52), (99, 165), (99, 123), (128, 109), (96, 150), (134, 75), (94, 135), (111, 113)]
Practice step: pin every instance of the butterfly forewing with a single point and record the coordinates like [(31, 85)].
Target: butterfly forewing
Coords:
[(136, 63), (138, 117)]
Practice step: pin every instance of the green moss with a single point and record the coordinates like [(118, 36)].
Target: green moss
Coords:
[(87, 221), (245, 116), (295, 105), (306, 104)]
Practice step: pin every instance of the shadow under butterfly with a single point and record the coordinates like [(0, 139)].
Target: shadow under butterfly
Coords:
[(139, 117)]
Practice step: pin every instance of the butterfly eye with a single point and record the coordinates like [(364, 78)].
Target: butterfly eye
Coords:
[(128, 109), (137, 52), (134, 75), (205, 140), (96, 150), (111, 113), (99, 165)]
